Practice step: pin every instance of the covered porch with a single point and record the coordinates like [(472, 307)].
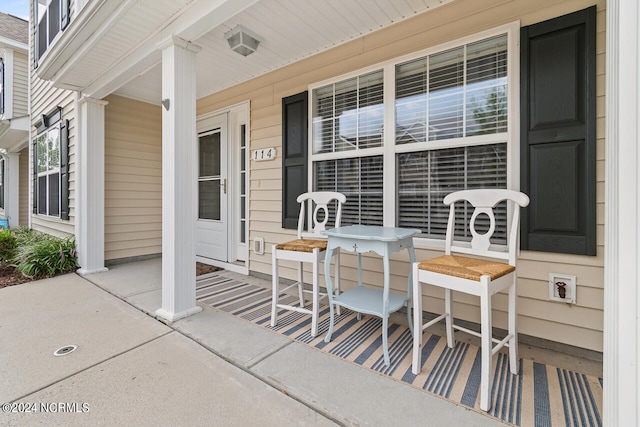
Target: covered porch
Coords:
[(164, 68), (345, 381)]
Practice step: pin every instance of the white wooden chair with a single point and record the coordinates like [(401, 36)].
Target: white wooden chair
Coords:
[(476, 276), (310, 246)]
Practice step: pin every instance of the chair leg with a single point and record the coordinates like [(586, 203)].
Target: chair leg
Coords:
[(274, 287), (300, 283), (448, 318), (315, 304), (486, 349), (513, 330), (417, 322)]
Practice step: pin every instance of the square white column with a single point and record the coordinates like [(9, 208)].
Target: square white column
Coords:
[(179, 179), (621, 364), (89, 182)]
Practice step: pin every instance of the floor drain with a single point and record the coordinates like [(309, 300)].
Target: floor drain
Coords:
[(64, 350)]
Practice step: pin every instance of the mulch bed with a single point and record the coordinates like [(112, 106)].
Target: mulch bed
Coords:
[(9, 277)]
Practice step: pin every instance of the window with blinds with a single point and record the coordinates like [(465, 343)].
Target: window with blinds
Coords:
[(454, 94), (348, 115), (450, 121), (426, 177), (360, 180)]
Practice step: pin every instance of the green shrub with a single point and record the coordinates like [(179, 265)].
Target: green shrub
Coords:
[(8, 246), (26, 235), (42, 255)]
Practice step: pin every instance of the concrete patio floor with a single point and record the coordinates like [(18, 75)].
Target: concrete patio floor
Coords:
[(208, 369)]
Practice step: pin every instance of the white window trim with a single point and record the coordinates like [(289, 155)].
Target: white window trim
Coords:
[(48, 173), (390, 149)]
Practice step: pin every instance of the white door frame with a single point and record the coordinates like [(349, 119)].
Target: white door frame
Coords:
[(238, 115)]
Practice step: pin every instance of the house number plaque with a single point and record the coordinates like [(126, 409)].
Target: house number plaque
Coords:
[(264, 154)]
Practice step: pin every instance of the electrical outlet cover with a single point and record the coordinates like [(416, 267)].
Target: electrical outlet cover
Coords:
[(562, 287)]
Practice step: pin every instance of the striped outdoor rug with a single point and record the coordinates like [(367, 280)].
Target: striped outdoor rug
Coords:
[(541, 395)]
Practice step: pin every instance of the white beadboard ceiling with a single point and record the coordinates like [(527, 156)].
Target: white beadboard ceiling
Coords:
[(291, 29)]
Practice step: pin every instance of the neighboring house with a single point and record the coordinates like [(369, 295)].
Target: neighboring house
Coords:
[(14, 119), (144, 120)]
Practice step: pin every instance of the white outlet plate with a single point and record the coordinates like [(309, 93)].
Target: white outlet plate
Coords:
[(570, 287), (258, 246)]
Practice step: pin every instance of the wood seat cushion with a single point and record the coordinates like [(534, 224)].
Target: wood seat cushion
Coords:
[(466, 268), (302, 245)]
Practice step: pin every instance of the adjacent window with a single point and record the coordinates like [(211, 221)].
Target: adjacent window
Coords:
[(47, 164), (209, 176), (2, 90), (243, 184), (397, 139), (51, 17)]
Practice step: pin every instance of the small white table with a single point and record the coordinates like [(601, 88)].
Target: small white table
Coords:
[(383, 241)]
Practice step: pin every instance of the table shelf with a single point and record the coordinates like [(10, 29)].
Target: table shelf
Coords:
[(369, 301)]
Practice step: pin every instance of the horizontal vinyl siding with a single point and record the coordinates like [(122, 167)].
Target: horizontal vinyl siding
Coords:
[(20, 84), (133, 178), (580, 324), (44, 99)]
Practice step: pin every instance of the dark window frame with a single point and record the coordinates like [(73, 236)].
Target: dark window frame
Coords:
[(54, 20)]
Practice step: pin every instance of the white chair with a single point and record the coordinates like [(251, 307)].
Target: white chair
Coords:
[(476, 276), (309, 247)]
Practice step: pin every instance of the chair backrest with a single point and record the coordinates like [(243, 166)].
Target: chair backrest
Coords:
[(484, 201), (319, 201)]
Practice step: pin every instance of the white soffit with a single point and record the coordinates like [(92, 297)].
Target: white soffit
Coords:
[(292, 30)]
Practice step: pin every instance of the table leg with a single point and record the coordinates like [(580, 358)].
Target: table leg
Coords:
[(359, 315), (385, 311)]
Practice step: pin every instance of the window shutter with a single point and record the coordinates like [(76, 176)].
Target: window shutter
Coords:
[(65, 14), (558, 134), (294, 156), (64, 170), (35, 176)]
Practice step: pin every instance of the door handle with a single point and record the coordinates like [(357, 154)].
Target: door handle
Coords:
[(223, 184)]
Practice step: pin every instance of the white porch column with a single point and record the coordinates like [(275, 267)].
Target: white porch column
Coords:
[(12, 181), (179, 179), (622, 216), (89, 186)]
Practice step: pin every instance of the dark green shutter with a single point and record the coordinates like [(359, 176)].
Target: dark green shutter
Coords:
[(558, 134), (64, 170), (294, 156), (35, 176)]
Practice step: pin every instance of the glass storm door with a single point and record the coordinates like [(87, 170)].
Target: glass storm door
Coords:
[(212, 189)]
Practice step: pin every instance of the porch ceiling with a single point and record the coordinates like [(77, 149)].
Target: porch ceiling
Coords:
[(116, 40)]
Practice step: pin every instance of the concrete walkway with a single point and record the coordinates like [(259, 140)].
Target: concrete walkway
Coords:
[(209, 369)]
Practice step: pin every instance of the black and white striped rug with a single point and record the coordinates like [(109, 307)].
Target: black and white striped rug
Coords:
[(541, 395)]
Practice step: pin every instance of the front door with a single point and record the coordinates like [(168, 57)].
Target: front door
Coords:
[(212, 188)]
